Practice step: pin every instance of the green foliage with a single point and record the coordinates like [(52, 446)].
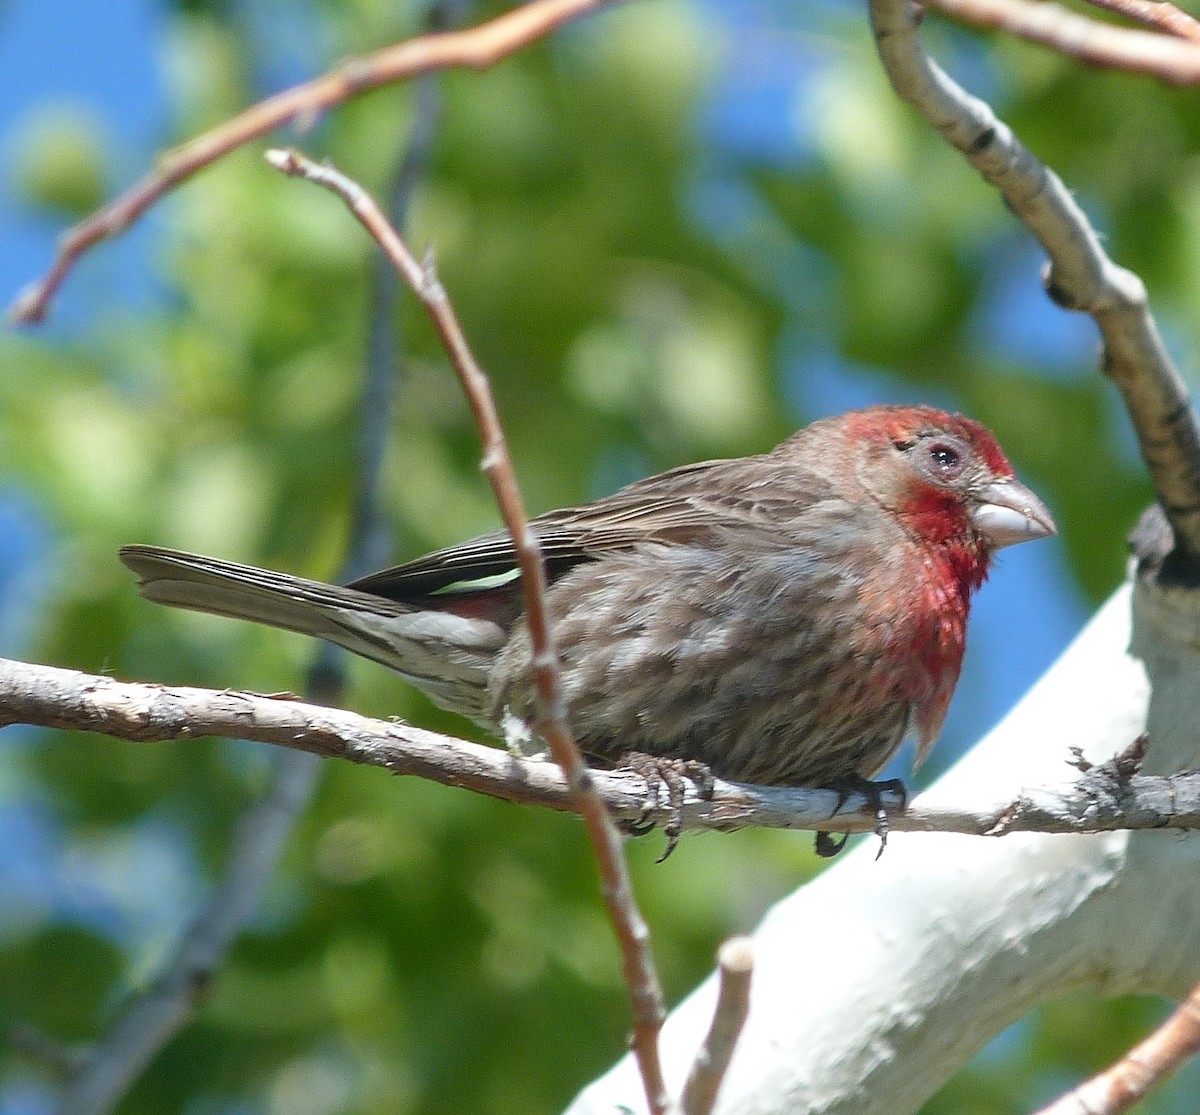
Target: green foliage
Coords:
[(62, 161), (423, 949)]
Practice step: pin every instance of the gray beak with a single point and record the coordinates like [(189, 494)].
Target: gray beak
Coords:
[(1008, 513)]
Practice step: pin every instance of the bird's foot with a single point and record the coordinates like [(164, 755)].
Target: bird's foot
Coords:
[(827, 845), (664, 775)]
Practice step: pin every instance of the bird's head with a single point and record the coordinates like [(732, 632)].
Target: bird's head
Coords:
[(945, 478)]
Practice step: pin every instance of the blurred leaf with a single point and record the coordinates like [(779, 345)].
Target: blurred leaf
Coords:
[(62, 159)]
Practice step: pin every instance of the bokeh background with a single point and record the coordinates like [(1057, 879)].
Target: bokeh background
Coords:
[(678, 230)]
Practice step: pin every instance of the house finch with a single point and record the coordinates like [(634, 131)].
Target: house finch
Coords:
[(784, 619)]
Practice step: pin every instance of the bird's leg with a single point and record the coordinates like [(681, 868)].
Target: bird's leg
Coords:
[(826, 845), (660, 774)]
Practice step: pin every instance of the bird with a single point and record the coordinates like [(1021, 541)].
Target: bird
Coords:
[(787, 618)]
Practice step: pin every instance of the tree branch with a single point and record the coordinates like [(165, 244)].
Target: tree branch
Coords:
[(1155, 13), (1144, 1067), (1080, 275), (735, 963), (477, 48), (1170, 57), (1104, 798)]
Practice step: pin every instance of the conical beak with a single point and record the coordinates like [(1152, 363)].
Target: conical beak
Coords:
[(1008, 513)]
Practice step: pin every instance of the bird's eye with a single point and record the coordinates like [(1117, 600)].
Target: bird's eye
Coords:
[(946, 459)]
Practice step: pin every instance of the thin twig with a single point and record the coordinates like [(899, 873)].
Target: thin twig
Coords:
[(476, 48), (1104, 799), (1155, 13), (631, 930), (1144, 1067), (735, 966), (1170, 58), (1081, 276)]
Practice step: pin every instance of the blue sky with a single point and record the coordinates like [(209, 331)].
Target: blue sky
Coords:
[(101, 61)]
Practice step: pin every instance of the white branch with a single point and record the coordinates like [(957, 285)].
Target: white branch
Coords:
[(878, 980)]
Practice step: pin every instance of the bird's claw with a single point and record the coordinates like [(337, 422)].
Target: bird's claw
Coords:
[(827, 846), (667, 774)]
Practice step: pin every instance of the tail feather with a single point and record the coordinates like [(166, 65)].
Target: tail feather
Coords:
[(446, 655)]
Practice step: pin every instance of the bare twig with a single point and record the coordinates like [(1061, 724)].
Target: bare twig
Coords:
[(1169, 57), (631, 930), (1103, 799), (735, 966), (1144, 1067), (1155, 13), (476, 48), (1081, 276)]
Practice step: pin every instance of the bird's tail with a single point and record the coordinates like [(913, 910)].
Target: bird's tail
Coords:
[(446, 655)]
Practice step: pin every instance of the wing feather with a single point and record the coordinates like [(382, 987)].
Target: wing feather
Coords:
[(696, 503)]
